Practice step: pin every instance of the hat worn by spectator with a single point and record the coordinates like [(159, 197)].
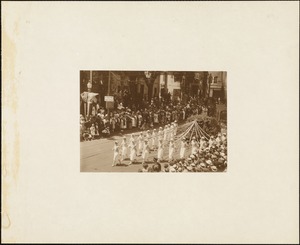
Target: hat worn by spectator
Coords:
[(214, 168), (209, 162), (220, 160)]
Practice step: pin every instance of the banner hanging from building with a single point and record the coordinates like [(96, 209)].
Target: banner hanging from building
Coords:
[(89, 97)]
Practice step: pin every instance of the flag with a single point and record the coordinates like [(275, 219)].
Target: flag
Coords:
[(89, 97)]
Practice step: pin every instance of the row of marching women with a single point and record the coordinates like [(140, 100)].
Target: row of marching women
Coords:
[(163, 144), (142, 144)]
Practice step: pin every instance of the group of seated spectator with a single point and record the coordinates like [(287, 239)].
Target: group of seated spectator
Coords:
[(210, 159)]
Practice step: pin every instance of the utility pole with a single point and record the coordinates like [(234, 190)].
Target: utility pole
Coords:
[(108, 91)]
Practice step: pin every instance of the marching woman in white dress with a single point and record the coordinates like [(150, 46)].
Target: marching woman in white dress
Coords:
[(160, 133), (140, 144), (133, 152), (116, 150), (168, 134), (171, 150), (171, 132), (154, 139), (175, 127), (183, 147), (146, 151), (160, 151), (124, 149), (165, 133), (148, 138), (131, 139), (194, 145)]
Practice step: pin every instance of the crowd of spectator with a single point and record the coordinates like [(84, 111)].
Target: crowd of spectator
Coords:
[(211, 158), (122, 119)]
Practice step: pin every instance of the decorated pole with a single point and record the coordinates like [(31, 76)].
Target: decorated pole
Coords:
[(108, 91)]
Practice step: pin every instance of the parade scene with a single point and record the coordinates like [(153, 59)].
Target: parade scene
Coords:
[(149, 121)]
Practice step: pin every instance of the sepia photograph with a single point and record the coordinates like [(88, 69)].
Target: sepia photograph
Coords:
[(153, 121), (147, 82)]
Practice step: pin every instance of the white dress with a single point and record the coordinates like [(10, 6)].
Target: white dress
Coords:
[(160, 151), (154, 139), (160, 135), (131, 140), (182, 149), (171, 150), (116, 153), (148, 137), (132, 152), (141, 143), (175, 129), (145, 152), (124, 150), (165, 134), (194, 147), (171, 133)]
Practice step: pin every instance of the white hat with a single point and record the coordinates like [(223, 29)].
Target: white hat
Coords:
[(209, 162)]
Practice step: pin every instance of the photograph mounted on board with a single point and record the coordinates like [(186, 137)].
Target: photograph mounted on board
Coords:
[(153, 121)]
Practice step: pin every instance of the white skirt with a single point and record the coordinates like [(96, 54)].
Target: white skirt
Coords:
[(116, 156), (145, 154), (132, 155), (171, 152), (124, 151), (141, 145), (182, 152), (160, 153), (154, 142), (165, 137)]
